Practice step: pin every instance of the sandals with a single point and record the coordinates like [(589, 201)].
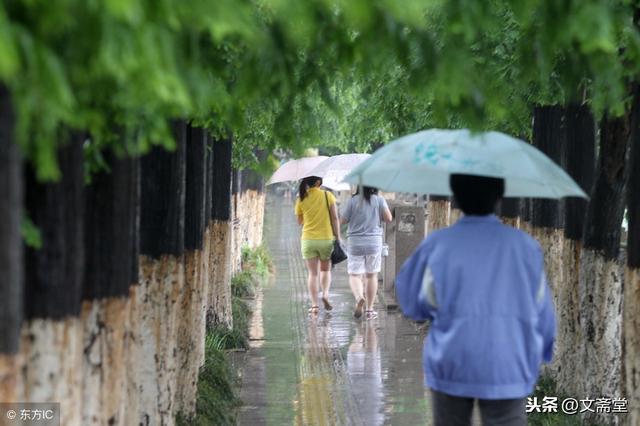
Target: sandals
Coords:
[(314, 309), (357, 313), (370, 315), (327, 305)]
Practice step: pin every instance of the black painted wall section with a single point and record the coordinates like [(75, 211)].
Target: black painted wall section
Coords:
[(196, 189), (604, 215), (162, 175), (112, 228), (11, 267), (633, 188), (53, 273), (221, 187), (549, 136), (580, 151)]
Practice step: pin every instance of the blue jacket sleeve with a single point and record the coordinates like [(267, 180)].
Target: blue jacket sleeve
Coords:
[(409, 283), (547, 324)]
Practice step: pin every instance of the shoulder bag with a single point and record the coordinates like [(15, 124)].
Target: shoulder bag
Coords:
[(338, 255)]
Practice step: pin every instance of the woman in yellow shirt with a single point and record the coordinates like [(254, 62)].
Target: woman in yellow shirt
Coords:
[(319, 228)]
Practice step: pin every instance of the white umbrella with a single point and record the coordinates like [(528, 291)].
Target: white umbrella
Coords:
[(336, 186), (294, 170), (335, 168), (422, 162)]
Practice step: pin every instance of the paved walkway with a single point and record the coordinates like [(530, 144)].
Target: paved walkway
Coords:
[(326, 369)]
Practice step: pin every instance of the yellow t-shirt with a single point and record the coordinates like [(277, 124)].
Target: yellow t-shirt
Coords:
[(315, 215)]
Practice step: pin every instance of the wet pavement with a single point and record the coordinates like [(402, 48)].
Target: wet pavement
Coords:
[(327, 369)]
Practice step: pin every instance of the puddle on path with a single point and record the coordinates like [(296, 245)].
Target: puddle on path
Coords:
[(325, 369)]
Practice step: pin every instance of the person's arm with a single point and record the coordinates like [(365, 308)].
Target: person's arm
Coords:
[(386, 215), (384, 211), (415, 288), (335, 221), (299, 214), (346, 213), (546, 319)]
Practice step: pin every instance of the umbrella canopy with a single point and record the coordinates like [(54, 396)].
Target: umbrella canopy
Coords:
[(422, 162), (336, 186), (335, 168), (294, 170)]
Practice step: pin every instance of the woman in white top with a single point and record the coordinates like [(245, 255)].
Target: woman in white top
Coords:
[(364, 213)]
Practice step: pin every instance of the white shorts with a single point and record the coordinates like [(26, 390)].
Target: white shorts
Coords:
[(368, 264)]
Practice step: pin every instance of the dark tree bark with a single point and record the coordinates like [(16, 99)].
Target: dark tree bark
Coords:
[(196, 188), (236, 182), (162, 176), (53, 274), (208, 205), (633, 189), (604, 215), (549, 137), (631, 305), (580, 164), (221, 187), (525, 209), (509, 208), (439, 198), (252, 180), (112, 229), (11, 188)]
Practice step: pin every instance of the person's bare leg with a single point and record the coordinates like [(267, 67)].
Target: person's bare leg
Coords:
[(357, 288), (355, 282), (312, 279), (371, 289), (325, 282)]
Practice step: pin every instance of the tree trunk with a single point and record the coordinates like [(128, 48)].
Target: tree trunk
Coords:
[(238, 232), (196, 188), (580, 164), (112, 229), (437, 213), (11, 284), (525, 215), (248, 212), (54, 272), (53, 285), (219, 311), (111, 337), (600, 269), (162, 224), (509, 211), (254, 194), (549, 136), (631, 319), (191, 326)]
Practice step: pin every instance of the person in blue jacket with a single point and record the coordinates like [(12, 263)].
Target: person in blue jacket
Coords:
[(482, 286)]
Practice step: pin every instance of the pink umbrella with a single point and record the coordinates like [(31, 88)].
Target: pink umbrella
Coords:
[(294, 170)]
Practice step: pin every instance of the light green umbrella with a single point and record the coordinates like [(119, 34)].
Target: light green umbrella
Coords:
[(422, 163)]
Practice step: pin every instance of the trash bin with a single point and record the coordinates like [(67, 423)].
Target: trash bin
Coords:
[(402, 236)]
